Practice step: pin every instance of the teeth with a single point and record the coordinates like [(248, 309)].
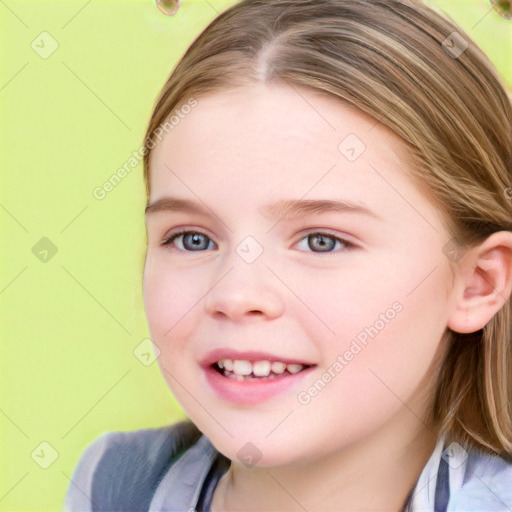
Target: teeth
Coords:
[(278, 367), (240, 368), (261, 368), (294, 368)]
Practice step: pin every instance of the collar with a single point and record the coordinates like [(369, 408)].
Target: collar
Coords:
[(456, 480), (181, 485), (452, 480)]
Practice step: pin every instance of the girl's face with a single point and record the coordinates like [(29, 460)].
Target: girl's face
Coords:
[(356, 297)]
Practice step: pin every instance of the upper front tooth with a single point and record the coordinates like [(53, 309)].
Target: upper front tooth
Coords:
[(261, 368), (242, 367), (294, 368), (278, 367), (258, 368)]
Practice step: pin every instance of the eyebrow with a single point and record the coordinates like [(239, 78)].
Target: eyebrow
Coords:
[(275, 211)]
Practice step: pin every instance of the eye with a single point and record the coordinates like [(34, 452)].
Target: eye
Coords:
[(323, 242), (195, 241), (189, 241)]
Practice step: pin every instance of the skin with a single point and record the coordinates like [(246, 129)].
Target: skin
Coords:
[(237, 151)]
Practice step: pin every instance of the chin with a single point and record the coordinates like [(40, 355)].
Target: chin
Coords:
[(264, 453)]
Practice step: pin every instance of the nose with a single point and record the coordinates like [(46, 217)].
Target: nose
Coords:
[(244, 290)]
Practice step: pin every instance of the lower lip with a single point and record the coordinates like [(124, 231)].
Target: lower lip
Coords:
[(251, 391)]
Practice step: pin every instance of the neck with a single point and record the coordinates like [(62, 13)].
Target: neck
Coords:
[(375, 473)]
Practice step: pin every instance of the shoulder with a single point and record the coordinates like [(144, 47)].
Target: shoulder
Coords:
[(456, 479), (487, 485), (122, 469)]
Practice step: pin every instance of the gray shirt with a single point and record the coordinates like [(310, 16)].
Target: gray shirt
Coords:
[(176, 468)]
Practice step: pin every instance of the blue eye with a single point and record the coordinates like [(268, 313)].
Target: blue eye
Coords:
[(195, 241), (322, 242), (190, 241)]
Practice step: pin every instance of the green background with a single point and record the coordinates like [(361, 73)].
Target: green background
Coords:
[(72, 320)]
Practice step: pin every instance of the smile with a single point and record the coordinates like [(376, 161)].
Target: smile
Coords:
[(253, 379), (243, 370)]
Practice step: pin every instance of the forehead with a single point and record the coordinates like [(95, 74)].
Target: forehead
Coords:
[(274, 139), (271, 113)]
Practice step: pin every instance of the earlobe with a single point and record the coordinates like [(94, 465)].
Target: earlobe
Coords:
[(485, 273)]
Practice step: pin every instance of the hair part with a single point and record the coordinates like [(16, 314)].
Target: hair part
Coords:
[(387, 58)]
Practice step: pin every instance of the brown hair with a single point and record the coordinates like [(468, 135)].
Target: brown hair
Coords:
[(400, 62)]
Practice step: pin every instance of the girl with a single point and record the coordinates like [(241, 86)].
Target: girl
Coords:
[(328, 270)]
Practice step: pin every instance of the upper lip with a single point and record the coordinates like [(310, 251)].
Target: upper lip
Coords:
[(248, 355)]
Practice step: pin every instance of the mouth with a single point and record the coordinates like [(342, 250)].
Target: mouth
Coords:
[(246, 370), (252, 377)]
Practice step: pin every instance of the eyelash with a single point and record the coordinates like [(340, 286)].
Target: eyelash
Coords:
[(348, 245)]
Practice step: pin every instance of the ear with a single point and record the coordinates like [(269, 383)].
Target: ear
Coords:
[(484, 283)]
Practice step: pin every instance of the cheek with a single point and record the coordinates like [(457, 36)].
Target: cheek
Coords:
[(339, 303), (362, 385), (170, 295), (384, 324)]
